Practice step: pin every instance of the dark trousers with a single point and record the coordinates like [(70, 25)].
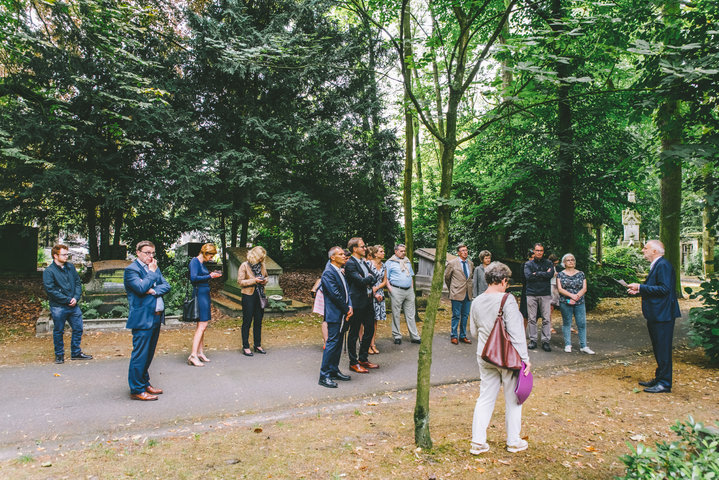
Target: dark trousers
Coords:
[(144, 343), (60, 316), (361, 317), (252, 314), (332, 351), (662, 334)]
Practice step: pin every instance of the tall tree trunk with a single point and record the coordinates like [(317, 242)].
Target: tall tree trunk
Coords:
[(565, 135), (708, 233), (234, 227), (600, 245), (91, 219), (408, 142), (418, 159), (669, 124), (105, 218), (245, 228), (422, 436), (117, 227)]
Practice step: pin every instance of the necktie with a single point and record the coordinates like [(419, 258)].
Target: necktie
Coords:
[(464, 267)]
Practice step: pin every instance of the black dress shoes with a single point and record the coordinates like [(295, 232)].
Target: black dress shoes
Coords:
[(658, 388), (650, 383), (82, 356), (532, 345), (546, 347), (340, 376), (59, 359), (398, 341), (327, 382)]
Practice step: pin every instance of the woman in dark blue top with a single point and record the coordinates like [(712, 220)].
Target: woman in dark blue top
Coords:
[(200, 279)]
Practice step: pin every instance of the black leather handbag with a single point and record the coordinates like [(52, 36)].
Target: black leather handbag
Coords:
[(190, 307)]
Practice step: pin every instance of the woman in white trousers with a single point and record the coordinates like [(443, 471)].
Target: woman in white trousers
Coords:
[(482, 316)]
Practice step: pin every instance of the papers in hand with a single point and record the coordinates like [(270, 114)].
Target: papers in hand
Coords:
[(622, 283)]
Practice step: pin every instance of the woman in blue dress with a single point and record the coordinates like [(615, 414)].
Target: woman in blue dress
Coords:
[(200, 279)]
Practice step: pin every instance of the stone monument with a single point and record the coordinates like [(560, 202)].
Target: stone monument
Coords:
[(631, 221), (107, 284)]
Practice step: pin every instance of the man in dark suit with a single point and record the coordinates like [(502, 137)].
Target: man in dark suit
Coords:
[(145, 287), (660, 307), (338, 309), (359, 282)]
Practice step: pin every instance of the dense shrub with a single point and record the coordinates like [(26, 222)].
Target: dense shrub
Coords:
[(704, 320), (693, 456), (694, 265), (620, 263)]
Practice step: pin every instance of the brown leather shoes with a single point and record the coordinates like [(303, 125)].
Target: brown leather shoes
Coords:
[(369, 365), (358, 368), (466, 340), (144, 396), (153, 391), (455, 341)]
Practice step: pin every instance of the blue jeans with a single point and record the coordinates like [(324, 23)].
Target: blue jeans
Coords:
[(73, 316), (460, 310), (580, 316)]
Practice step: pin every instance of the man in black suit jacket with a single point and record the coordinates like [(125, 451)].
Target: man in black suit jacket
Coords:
[(338, 307), (360, 281), (660, 307)]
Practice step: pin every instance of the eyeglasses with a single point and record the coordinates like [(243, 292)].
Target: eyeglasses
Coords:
[(149, 254)]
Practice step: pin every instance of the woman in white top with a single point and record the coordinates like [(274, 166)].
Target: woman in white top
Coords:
[(482, 316)]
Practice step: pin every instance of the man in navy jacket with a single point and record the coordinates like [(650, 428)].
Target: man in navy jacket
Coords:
[(660, 307), (145, 287), (64, 289), (338, 309)]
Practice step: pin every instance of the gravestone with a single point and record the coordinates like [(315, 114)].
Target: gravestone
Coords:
[(107, 284), (631, 221), (425, 269), (19, 246), (236, 257)]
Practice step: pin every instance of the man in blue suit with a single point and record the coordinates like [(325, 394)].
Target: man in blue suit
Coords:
[(660, 307), (145, 287), (338, 308)]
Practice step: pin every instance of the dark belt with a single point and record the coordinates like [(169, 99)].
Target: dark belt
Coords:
[(159, 313), (403, 288)]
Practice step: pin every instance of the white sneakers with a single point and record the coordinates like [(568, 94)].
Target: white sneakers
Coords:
[(586, 350), (478, 448), (518, 447)]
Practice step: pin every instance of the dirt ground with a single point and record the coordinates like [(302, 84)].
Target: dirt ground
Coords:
[(577, 425)]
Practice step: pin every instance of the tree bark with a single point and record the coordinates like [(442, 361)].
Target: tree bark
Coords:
[(91, 219), (708, 231), (408, 142), (669, 124), (565, 136), (117, 227), (234, 227)]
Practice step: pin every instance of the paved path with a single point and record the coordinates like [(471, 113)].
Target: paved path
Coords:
[(84, 401)]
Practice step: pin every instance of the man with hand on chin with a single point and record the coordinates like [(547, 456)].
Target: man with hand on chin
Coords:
[(660, 307), (145, 287), (338, 310)]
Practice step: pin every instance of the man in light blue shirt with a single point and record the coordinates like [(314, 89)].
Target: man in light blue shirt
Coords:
[(401, 291)]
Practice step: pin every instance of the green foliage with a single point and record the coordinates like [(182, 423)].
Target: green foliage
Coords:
[(694, 265), (620, 263), (41, 257), (177, 274), (91, 309), (704, 320), (694, 456)]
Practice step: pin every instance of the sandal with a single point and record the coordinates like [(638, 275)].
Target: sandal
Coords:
[(202, 357), (194, 361)]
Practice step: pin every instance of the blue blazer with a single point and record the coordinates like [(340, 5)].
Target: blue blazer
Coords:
[(659, 297), (337, 301), (142, 305)]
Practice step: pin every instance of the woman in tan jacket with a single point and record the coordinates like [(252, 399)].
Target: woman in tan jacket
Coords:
[(252, 277)]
